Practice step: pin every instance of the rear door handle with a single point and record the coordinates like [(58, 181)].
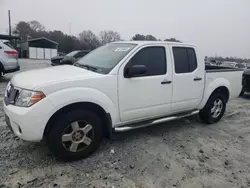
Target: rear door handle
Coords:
[(166, 82), (197, 79)]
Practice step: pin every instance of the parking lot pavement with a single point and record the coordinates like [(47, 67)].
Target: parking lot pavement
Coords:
[(184, 153)]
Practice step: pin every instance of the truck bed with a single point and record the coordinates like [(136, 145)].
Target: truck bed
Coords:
[(231, 77), (214, 68)]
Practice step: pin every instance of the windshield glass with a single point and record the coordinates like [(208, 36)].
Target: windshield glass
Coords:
[(105, 58), (72, 53), (8, 44)]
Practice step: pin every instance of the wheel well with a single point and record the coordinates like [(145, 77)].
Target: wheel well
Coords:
[(105, 117), (223, 90), (1, 67)]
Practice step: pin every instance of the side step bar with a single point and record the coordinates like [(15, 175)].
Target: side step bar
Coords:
[(153, 122)]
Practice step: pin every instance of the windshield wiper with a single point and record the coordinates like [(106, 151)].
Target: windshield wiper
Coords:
[(88, 67)]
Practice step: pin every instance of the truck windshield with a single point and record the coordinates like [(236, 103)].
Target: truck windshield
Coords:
[(105, 58)]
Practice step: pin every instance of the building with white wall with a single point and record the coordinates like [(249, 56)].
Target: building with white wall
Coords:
[(38, 48)]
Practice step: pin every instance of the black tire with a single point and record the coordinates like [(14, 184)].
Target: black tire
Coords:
[(65, 120), (1, 71), (206, 114), (242, 92)]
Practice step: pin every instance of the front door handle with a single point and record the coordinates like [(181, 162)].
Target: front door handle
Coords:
[(166, 82), (197, 79)]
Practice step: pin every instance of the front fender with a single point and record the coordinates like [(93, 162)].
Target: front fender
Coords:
[(211, 87), (62, 98)]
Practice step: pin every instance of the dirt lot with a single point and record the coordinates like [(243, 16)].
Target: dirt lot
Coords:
[(184, 153)]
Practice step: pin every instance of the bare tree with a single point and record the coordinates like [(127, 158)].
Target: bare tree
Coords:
[(36, 26), (89, 40), (109, 36), (23, 30)]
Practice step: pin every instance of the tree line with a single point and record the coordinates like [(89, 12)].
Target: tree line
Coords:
[(86, 40), (231, 59)]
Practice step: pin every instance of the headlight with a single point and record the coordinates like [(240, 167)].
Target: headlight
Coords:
[(27, 98)]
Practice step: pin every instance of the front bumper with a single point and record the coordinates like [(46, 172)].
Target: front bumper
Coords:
[(28, 123)]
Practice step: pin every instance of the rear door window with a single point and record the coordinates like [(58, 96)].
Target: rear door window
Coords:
[(184, 60), (9, 45)]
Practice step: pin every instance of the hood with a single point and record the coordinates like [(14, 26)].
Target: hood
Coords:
[(34, 78), (57, 58)]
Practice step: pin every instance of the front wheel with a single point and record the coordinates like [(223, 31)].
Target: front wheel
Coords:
[(75, 135), (214, 109)]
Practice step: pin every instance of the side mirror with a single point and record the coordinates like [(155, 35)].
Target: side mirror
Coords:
[(136, 70)]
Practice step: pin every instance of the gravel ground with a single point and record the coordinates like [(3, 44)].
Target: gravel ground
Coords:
[(184, 153)]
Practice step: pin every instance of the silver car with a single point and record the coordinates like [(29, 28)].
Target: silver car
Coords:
[(8, 59)]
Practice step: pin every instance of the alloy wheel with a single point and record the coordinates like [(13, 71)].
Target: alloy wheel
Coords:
[(217, 108), (77, 136)]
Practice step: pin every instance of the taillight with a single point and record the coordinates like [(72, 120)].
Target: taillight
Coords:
[(11, 52)]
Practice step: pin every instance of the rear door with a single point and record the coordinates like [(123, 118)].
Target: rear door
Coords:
[(188, 78), (149, 95)]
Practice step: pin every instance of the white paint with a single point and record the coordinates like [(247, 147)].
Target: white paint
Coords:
[(32, 53), (53, 52), (47, 53), (40, 53)]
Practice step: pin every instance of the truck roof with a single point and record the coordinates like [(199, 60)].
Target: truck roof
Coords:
[(138, 42)]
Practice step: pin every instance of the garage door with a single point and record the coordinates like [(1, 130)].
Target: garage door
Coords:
[(53, 52), (40, 53), (32, 52), (47, 52)]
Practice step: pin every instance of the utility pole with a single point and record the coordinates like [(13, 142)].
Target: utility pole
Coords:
[(9, 23)]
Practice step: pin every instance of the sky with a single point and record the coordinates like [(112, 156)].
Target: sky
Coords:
[(217, 27)]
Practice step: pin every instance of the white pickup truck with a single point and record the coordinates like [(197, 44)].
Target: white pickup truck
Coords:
[(117, 87)]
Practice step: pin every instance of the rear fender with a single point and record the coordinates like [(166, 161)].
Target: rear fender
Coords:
[(211, 87)]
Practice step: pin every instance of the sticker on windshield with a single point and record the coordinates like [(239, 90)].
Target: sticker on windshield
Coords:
[(122, 49)]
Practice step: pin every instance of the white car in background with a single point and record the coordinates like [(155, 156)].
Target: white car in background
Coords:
[(8, 58), (233, 65), (228, 64), (241, 66)]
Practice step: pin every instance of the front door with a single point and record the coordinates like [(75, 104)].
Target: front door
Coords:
[(148, 95)]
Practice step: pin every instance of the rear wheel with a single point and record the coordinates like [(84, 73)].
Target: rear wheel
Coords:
[(75, 135), (214, 109)]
